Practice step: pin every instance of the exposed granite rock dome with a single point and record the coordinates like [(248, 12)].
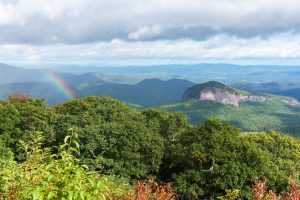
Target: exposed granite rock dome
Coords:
[(219, 92)]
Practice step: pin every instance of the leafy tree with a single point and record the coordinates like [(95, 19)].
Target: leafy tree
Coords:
[(114, 137), (207, 161), (281, 157), (22, 115), (213, 157), (56, 176), (170, 126)]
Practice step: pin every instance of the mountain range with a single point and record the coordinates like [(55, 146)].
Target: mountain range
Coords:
[(252, 106), (42, 83)]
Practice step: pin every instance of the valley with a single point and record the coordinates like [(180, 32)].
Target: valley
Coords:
[(258, 106)]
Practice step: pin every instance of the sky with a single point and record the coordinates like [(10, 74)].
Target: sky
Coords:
[(150, 31)]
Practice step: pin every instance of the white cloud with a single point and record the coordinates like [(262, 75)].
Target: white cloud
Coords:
[(80, 21), (8, 15), (282, 46), (40, 30), (146, 32)]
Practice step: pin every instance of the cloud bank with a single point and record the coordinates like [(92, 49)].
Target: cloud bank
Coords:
[(137, 29), (281, 46), (79, 21)]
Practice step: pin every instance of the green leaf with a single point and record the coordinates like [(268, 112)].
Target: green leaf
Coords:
[(77, 144), (51, 195), (82, 194), (70, 195), (66, 139)]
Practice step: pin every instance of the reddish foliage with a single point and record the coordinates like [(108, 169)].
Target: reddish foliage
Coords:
[(151, 190), (16, 98), (12, 194), (260, 192), (293, 193)]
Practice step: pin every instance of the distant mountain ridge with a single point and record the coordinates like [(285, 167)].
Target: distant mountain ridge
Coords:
[(41, 90), (36, 83), (11, 74), (284, 89), (149, 92), (124, 83), (243, 108)]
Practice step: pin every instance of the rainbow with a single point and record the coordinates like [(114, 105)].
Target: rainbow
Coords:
[(60, 84)]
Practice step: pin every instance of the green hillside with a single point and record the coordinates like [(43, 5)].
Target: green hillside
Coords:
[(149, 92), (97, 148), (274, 114)]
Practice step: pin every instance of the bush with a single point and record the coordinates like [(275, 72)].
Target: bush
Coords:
[(261, 191), (56, 176)]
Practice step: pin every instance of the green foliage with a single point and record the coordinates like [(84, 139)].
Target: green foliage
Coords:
[(280, 153), (115, 137), (20, 116), (169, 125), (115, 144), (4, 151), (209, 161), (56, 176), (213, 157), (230, 195)]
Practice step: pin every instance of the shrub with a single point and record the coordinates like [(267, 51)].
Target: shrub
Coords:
[(261, 191), (56, 176), (151, 190)]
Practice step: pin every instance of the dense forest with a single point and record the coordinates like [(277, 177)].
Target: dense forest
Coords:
[(100, 148)]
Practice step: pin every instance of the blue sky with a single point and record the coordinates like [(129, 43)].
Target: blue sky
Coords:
[(150, 31)]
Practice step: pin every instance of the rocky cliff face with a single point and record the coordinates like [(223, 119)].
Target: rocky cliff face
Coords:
[(220, 95), (292, 102), (223, 95)]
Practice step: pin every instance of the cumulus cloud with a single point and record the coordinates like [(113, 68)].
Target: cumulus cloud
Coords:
[(82, 21), (57, 30), (145, 32), (282, 46)]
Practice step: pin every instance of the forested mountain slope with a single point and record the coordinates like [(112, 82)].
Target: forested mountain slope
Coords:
[(149, 92), (273, 113), (277, 88)]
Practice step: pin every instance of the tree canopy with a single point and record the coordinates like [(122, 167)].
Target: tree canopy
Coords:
[(114, 140)]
